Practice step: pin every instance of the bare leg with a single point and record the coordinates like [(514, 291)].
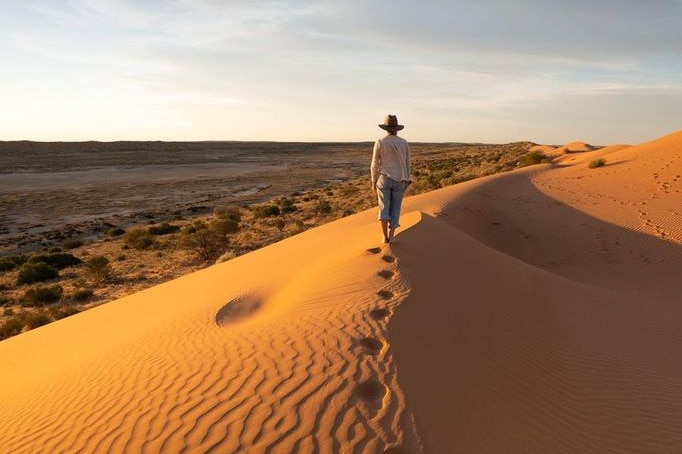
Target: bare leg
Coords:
[(391, 232), (384, 229)]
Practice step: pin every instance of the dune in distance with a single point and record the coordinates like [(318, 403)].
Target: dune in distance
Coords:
[(533, 311)]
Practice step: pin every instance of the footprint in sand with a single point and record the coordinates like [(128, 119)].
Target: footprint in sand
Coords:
[(388, 258), (237, 309), (374, 250), (385, 294), (386, 274), (370, 390), (371, 345), (379, 313)]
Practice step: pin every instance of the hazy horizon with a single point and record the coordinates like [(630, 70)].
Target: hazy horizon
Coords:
[(207, 70)]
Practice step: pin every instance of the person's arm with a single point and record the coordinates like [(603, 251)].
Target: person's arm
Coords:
[(374, 167), (408, 164)]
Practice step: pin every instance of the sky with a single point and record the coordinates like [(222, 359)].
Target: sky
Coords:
[(606, 71)]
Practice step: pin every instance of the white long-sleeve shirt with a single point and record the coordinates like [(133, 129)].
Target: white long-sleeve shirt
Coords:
[(391, 157)]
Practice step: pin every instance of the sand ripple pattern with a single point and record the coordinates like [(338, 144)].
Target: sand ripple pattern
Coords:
[(282, 383)]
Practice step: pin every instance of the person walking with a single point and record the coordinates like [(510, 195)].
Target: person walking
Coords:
[(390, 172)]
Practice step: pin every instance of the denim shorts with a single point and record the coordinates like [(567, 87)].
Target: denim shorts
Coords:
[(390, 194)]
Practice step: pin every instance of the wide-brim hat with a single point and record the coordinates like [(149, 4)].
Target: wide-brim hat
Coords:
[(391, 124)]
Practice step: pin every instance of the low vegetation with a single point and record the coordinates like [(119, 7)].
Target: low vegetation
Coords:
[(601, 162), (72, 244), (532, 158), (266, 211), (209, 239), (163, 229), (40, 296), (29, 319), (82, 294), (11, 262), (57, 260), (139, 238), (36, 272), (99, 269), (115, 231)]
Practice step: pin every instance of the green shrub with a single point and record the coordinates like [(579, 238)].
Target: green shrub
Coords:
[(36, 272), (40, 296), (266, 211), (601, 162), (163, 229), (72, 244), (139, 239), (10, 327), (11, 262), (115, 231), (99, 269), (82, 294), (59, 260)]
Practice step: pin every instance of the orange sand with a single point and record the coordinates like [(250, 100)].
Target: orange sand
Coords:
[(534, 311)]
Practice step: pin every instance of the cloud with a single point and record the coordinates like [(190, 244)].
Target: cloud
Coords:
[(454, 59)]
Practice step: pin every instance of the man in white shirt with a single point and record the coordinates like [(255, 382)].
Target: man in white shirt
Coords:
[(390, 170)]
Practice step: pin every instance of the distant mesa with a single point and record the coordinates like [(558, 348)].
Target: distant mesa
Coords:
[(237, 309)]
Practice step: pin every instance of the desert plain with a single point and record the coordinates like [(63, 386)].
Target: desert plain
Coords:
[(529, 311)]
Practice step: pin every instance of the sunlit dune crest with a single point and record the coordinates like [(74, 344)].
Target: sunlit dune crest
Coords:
[(532, 311)]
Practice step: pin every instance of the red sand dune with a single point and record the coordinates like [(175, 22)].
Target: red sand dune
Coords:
[(535, 311)]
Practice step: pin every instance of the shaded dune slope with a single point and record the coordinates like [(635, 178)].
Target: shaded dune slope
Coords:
[(535, 325)]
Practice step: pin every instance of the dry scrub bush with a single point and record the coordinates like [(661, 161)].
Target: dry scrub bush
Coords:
[(266, 211), (36, 272), (139, 238), (99, 269), (597, 163), (207, 241), (11, 262), (58, 260), (163, 229), (40, 296)]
